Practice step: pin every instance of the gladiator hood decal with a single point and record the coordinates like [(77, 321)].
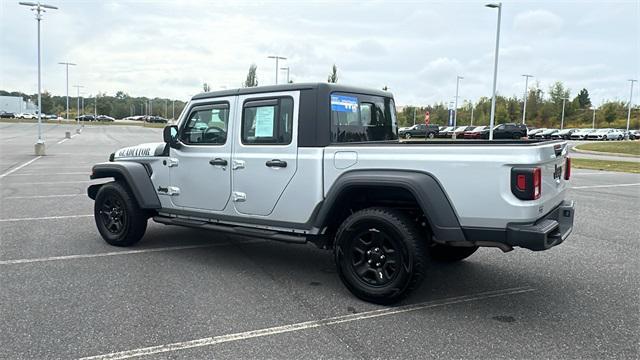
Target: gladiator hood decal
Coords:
[(142, 150)]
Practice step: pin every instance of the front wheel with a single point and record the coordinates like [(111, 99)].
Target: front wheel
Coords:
[(431, 135), (407, 136), (380, 255), (118, 217), (446, 253)]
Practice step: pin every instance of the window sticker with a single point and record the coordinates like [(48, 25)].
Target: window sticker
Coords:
[(264, 121), (344, 103)]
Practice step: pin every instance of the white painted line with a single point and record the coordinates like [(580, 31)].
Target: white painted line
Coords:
[(46, 218), (42, 196), (19, 167), (49, 174), (123, 252), (63, 140), (208, 341), (50, 182), (603, 186)]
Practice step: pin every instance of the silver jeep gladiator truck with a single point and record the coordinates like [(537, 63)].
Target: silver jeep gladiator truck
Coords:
[(322, 163)]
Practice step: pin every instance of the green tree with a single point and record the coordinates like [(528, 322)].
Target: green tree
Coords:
[(205, 87), (583, 99), (333, 77), (252, 78)]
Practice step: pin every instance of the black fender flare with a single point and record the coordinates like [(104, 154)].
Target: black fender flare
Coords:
[(425, 188), (135, 175)]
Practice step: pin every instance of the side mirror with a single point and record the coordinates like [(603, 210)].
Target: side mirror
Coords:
[(170, 135)]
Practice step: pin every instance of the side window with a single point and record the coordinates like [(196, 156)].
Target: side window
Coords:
[(206, 125), (267, 122), (359, 118), (366, 116)]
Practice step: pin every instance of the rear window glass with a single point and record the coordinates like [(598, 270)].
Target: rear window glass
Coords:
[(358, 118)]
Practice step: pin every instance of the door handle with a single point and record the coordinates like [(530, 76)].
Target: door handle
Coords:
[(218, 162), (276, 163)]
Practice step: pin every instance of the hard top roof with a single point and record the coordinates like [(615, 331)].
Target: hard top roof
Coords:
[(291, 87)]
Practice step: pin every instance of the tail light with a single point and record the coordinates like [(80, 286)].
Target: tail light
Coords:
[(526, 183), (567, 168)]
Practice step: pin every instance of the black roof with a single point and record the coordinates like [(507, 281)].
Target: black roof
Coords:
[(326, 87)]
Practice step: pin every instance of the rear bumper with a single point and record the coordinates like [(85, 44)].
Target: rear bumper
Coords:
[(545, 233)]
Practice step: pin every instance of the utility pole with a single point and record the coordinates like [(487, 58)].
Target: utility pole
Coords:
[(95, 107), (173, 110), (562, 118), (495, 69), (277, 58), (39, 9), (414, 115), (166, 107), (471, 115), (593, 126), (455, 114), (67, 64), (286, 68), (526, 94), (78, 108), (630, 103)]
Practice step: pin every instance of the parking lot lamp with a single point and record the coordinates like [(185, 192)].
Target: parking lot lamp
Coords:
[(78, 108), (526, 93), (277, 58), (39, 9), (455, 111), (495, 69), (630, 103), (471, 115), (562, 118), (593, 125), (67, 64)]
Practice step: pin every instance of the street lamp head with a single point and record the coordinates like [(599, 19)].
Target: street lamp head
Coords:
[(493, 5), (27, 3), (527, 75)]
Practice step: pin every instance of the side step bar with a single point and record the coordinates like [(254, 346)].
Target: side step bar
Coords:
[(232, 229)]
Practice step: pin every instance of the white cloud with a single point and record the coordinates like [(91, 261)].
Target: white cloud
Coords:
[(538, 22)]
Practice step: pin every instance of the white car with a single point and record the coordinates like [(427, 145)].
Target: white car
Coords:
[(27, 116), (606, 134), (581, 134)]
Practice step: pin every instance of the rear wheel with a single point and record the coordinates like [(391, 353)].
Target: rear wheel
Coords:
[(380, 255), (407, 136), (446, 253), (119, 219), (431, 135)]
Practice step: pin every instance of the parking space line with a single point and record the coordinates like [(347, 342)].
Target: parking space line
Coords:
[(46, 218), (42, 196), (50, 182), (49, 174), (208, 341), (19, 167), (603, 186), (123, 252)]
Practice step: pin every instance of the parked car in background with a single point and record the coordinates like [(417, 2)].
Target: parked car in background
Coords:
[(532, 132), (419, 130), (606, 134), (27, 116), (506, 131), (7, 115), (475, 133), (104, 118), (546, 134), (155, 119), (581, 134), (444, 132), (634, 134), (564, 134), (85, 118), (458, 131)]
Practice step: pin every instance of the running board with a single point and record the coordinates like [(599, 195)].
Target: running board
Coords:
[(233, 229)]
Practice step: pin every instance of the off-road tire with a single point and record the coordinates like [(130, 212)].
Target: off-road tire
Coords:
[(444, 253), (395, 235), (118, 217)]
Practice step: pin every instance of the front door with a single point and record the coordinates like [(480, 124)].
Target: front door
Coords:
[(265, 156), (200, 171)]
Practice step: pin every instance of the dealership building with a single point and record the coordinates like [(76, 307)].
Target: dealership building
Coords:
[(17, 105)]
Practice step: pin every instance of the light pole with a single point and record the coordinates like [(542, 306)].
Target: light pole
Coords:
[(471, 115), (67, 64), (414, 115), (286, 68), (277, 58), (173, 110), (564, 99), (455, 113), (495, 69), (39, 9), (593, 126), (78, 108), (526, 94), (95, 107), (629, 111)]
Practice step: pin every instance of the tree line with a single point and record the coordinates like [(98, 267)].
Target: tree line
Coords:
[(118, 106)]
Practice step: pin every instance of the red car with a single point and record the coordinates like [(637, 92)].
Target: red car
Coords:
[(475, 133)]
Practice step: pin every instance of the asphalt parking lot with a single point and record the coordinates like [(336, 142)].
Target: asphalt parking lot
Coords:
[(185, 293)]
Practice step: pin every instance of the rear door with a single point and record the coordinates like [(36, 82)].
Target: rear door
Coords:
[(266, 153)]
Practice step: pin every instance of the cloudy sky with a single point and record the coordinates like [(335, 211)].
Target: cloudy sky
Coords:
[(416, 48)]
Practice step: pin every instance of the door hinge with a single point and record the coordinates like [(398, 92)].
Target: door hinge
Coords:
[(171, 162), (239, 196), (237, 164)]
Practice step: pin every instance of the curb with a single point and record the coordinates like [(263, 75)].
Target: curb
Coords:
[(603, 153)]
